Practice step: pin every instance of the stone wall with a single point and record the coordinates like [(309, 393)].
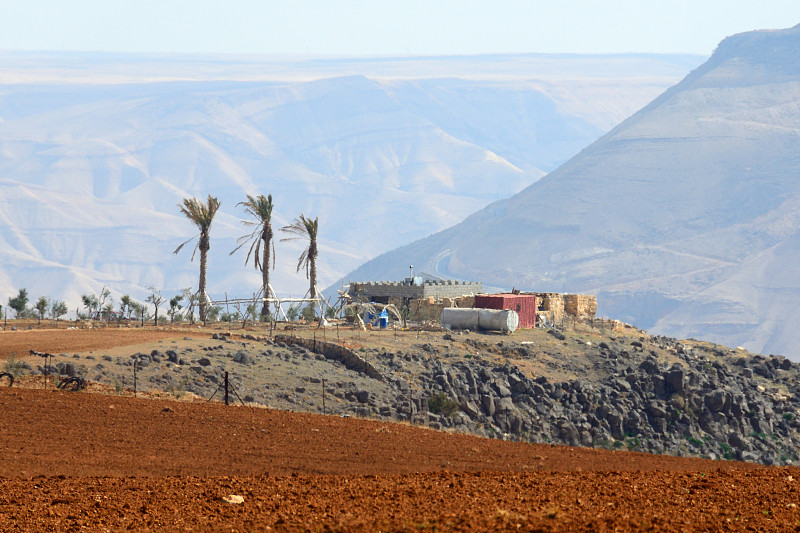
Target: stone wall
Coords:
[(556, 308), (580, 306), (403, 289), (334, 351)]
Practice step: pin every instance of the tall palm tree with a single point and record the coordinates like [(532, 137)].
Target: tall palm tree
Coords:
[(301, 229), (261, 243), (201, 214)]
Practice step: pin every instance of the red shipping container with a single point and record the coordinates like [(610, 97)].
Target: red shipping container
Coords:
[(523, 304)]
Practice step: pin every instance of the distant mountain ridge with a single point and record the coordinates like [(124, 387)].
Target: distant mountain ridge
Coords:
[(97, 150), (684, 219)]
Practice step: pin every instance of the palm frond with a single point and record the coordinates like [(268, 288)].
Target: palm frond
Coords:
[(260, 209), (200, 213), (302, 260), (184, 243)]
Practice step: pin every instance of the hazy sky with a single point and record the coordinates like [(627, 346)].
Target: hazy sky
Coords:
[(380, 27)]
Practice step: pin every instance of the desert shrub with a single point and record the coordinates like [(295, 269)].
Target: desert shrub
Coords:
[(293, 312), (13, 366), (308, 313), (212, 313), (695, 442), (178, 391), (229, 317), (440, 404)]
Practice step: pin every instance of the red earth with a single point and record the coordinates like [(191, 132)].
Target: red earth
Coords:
[(75, 461)]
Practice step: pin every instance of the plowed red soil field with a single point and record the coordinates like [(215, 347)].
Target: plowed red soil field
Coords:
[(74, 461), (19, 343)]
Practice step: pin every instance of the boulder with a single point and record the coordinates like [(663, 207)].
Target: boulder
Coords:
[(503, 405), (362, 396), (649, 366), (243, 358), (675, 379), (517, 383), (487, 403)]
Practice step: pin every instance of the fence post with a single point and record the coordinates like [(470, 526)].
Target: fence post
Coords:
[(48, 359), (324, 411), (135, 364), (411, 402), (226, 388)]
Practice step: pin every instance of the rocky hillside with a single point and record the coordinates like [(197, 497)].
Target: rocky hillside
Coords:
[(683, 220), (610, 386)]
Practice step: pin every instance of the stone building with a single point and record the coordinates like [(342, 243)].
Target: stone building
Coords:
[(416, 288), (555, 308)]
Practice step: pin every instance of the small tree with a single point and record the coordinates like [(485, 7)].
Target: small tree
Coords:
[(308, 313), (41, 307), (174, 306), (293, 312), (156, 299), (19, 303), (107, 310), (125, 306), (91, 304), (95, 306), (139, 310), (57, 309)]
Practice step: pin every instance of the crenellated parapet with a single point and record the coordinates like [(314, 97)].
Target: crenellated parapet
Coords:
[(413, 288)]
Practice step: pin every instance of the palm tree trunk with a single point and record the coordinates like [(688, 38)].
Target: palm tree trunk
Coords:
[(265, 279), (313, 277), (204, 246)]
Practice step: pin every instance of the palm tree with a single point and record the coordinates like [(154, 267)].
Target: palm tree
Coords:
[(305, 228), (261, 243), (201, 214)]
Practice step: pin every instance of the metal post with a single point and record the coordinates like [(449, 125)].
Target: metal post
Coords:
[(47, 360), (226, 388), (410, 403), (324, 412), (135, 365)]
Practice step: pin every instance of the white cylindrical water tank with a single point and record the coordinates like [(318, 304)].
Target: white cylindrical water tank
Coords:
[(454, 317), (498, 320), (489, 319)]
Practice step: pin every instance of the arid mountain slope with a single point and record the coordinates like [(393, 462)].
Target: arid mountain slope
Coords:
[(685, 219), (97, 150)]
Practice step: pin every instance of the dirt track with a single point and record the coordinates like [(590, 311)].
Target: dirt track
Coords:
[(78, 461)]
